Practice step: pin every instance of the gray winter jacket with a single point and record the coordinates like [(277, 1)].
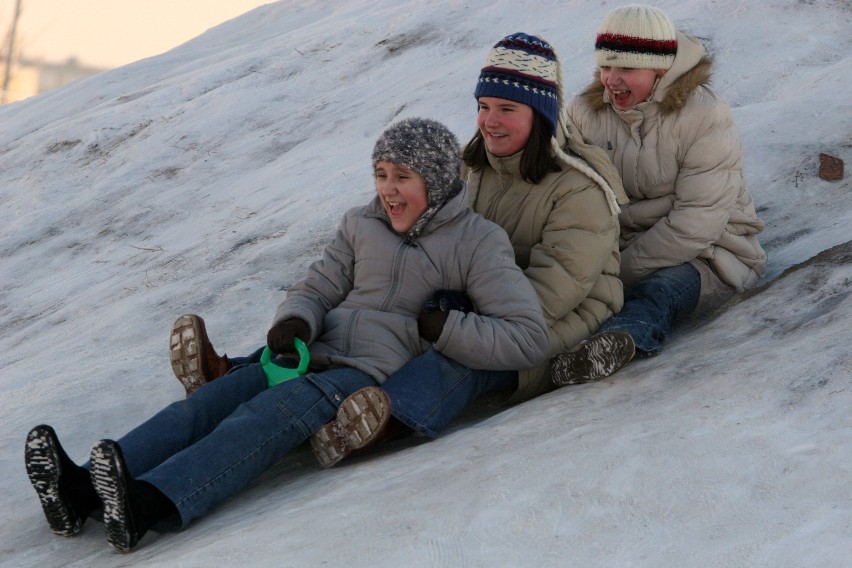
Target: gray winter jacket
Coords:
[(681, 162), (362, 298)]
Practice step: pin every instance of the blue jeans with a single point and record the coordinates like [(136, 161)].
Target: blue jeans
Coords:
[(249, 360), (430, 390), (654, 304), (202, 450)]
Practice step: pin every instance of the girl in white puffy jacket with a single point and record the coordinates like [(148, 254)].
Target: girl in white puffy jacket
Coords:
[(688, 235)]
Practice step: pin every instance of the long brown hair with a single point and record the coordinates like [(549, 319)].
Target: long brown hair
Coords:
[(537, 159)]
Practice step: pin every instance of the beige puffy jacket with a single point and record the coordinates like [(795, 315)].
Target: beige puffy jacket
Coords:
[(564, 232), (681, 162)]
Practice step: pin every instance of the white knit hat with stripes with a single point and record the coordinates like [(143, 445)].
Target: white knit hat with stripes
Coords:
[(638, 37)]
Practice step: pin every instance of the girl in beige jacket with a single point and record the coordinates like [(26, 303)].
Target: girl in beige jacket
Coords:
[(557, 198), (688, 235)]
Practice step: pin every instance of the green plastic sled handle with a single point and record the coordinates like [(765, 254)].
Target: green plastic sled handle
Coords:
[(276, 374)]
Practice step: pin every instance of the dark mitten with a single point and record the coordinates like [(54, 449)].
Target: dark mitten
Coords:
[(282, 335), (431, 324), (446, 300)]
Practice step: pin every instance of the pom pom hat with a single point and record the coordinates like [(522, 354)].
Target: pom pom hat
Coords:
[(430, 149), (525, 69), (638, 37)]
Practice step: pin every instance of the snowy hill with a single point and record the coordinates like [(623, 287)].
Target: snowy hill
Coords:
[(207, 178)]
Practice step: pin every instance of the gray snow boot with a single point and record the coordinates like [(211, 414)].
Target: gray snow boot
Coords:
[(194, 361), (64, 488), (593, 359), (131, 507), (361, 420)]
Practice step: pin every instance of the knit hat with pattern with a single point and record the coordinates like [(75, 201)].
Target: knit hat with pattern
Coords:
[(525, 69), (636, 36), (430, 149)]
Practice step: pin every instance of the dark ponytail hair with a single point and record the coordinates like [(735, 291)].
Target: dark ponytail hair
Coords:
[(537, 159)]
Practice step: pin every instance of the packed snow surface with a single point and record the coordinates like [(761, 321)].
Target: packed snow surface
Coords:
[(207, 178)]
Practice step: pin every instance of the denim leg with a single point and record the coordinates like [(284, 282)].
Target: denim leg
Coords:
[(248, 360), (254, 358), (430, 390), (246, 441), (185, 421), (654, 304)]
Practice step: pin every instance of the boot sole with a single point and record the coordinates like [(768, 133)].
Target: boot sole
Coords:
[(41, 456), (360, 420), (185, 352), (109, 480), (596, 358)]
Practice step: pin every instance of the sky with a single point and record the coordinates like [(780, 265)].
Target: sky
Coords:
[(107, 33), (206, 179)]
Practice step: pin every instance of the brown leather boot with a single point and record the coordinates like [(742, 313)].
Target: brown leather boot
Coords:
[(194, 361), (362, 420)]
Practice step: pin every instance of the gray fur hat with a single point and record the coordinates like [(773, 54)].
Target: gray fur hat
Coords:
[(430, 149)]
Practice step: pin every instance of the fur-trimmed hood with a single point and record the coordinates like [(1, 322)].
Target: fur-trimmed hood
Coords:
[(692, 69)]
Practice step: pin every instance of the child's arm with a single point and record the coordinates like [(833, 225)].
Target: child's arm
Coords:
[(507, 331), (326, 284)]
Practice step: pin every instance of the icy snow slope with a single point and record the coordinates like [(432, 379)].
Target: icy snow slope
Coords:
[(207, 178)]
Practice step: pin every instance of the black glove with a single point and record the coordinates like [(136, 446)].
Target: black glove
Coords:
[(282, 335), (446, 300), (431, 324), (436, 310)]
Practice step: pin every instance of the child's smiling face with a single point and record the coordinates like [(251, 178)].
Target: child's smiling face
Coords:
[(402, 193), (627, 87)]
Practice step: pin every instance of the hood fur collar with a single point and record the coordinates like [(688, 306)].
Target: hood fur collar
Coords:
[(675, 96)]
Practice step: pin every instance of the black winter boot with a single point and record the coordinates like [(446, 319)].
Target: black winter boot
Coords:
[(64, 488), (131, 507), (593, 359)]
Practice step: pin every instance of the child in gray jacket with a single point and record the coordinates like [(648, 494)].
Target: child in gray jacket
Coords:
[(359, 309)]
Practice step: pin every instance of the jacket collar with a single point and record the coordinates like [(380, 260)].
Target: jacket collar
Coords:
[(453, 207), (572, 152), (507, 165)]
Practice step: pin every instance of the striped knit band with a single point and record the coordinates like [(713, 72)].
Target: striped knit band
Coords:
[(524, 69), (638, 37)]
